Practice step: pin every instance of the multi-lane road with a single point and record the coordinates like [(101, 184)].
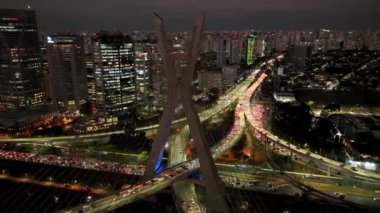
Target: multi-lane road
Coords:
[(184, 191), (303, 156), (167, 177), (177, 155)]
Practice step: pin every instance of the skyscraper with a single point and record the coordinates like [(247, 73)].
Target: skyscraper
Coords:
[(143, 67), (21, 80), (114, 76), (67, 71), (300, 54), (223, 50), (250, 49), (235, 52)]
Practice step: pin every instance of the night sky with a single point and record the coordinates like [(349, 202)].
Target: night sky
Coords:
[(127, 15)]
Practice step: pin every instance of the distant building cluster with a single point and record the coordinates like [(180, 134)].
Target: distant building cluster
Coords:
[(116, 74)]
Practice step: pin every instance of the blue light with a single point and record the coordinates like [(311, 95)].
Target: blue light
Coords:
[(201, 177), (158, 167)]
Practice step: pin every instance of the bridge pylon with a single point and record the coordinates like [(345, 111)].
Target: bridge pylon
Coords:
[(180, 90)]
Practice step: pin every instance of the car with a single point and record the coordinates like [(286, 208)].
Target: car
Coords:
[(158, 179), (86, 207), (341, 195), (192, 201), (252, 183), (197, 210)]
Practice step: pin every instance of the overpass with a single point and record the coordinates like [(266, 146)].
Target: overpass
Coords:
[(181, 170), (167, 177)]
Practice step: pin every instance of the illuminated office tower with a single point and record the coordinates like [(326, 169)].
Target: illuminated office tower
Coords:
[(91, 89), (89, 63), (114, 76), (21, 77), (250, 49), (143, 68), (158, 81), (67, 71)]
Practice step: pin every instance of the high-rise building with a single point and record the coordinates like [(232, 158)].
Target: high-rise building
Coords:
[(91, 89), (143, 68), (67, 71), (282, 41), (270, 44), (114, 76), (21, 77), (210, 79), (300, 54), (223, 50), (209, 43), (89, 63), (229, 76), (45, 69), (235, 50), (158, 80), (354, 40), (260, 46), (250, 49)]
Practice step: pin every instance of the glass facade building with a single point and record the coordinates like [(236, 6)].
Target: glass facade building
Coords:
[(67, 71), (21, 77), (114, 76)]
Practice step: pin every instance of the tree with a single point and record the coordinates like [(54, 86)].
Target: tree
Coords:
[(213, 94), (85, 108), (292, 120)]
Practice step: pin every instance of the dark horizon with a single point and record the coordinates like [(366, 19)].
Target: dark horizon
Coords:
[(271, 15)]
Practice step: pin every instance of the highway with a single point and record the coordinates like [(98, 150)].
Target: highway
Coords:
[(166, 178), (303, 156), (92, 136), (184, 167), (278, 185), (185, 191)]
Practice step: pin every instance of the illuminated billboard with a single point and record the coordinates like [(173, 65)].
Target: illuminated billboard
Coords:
[(249, 54)]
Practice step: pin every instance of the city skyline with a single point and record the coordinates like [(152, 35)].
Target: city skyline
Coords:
[(222, 121), (231, 15)]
